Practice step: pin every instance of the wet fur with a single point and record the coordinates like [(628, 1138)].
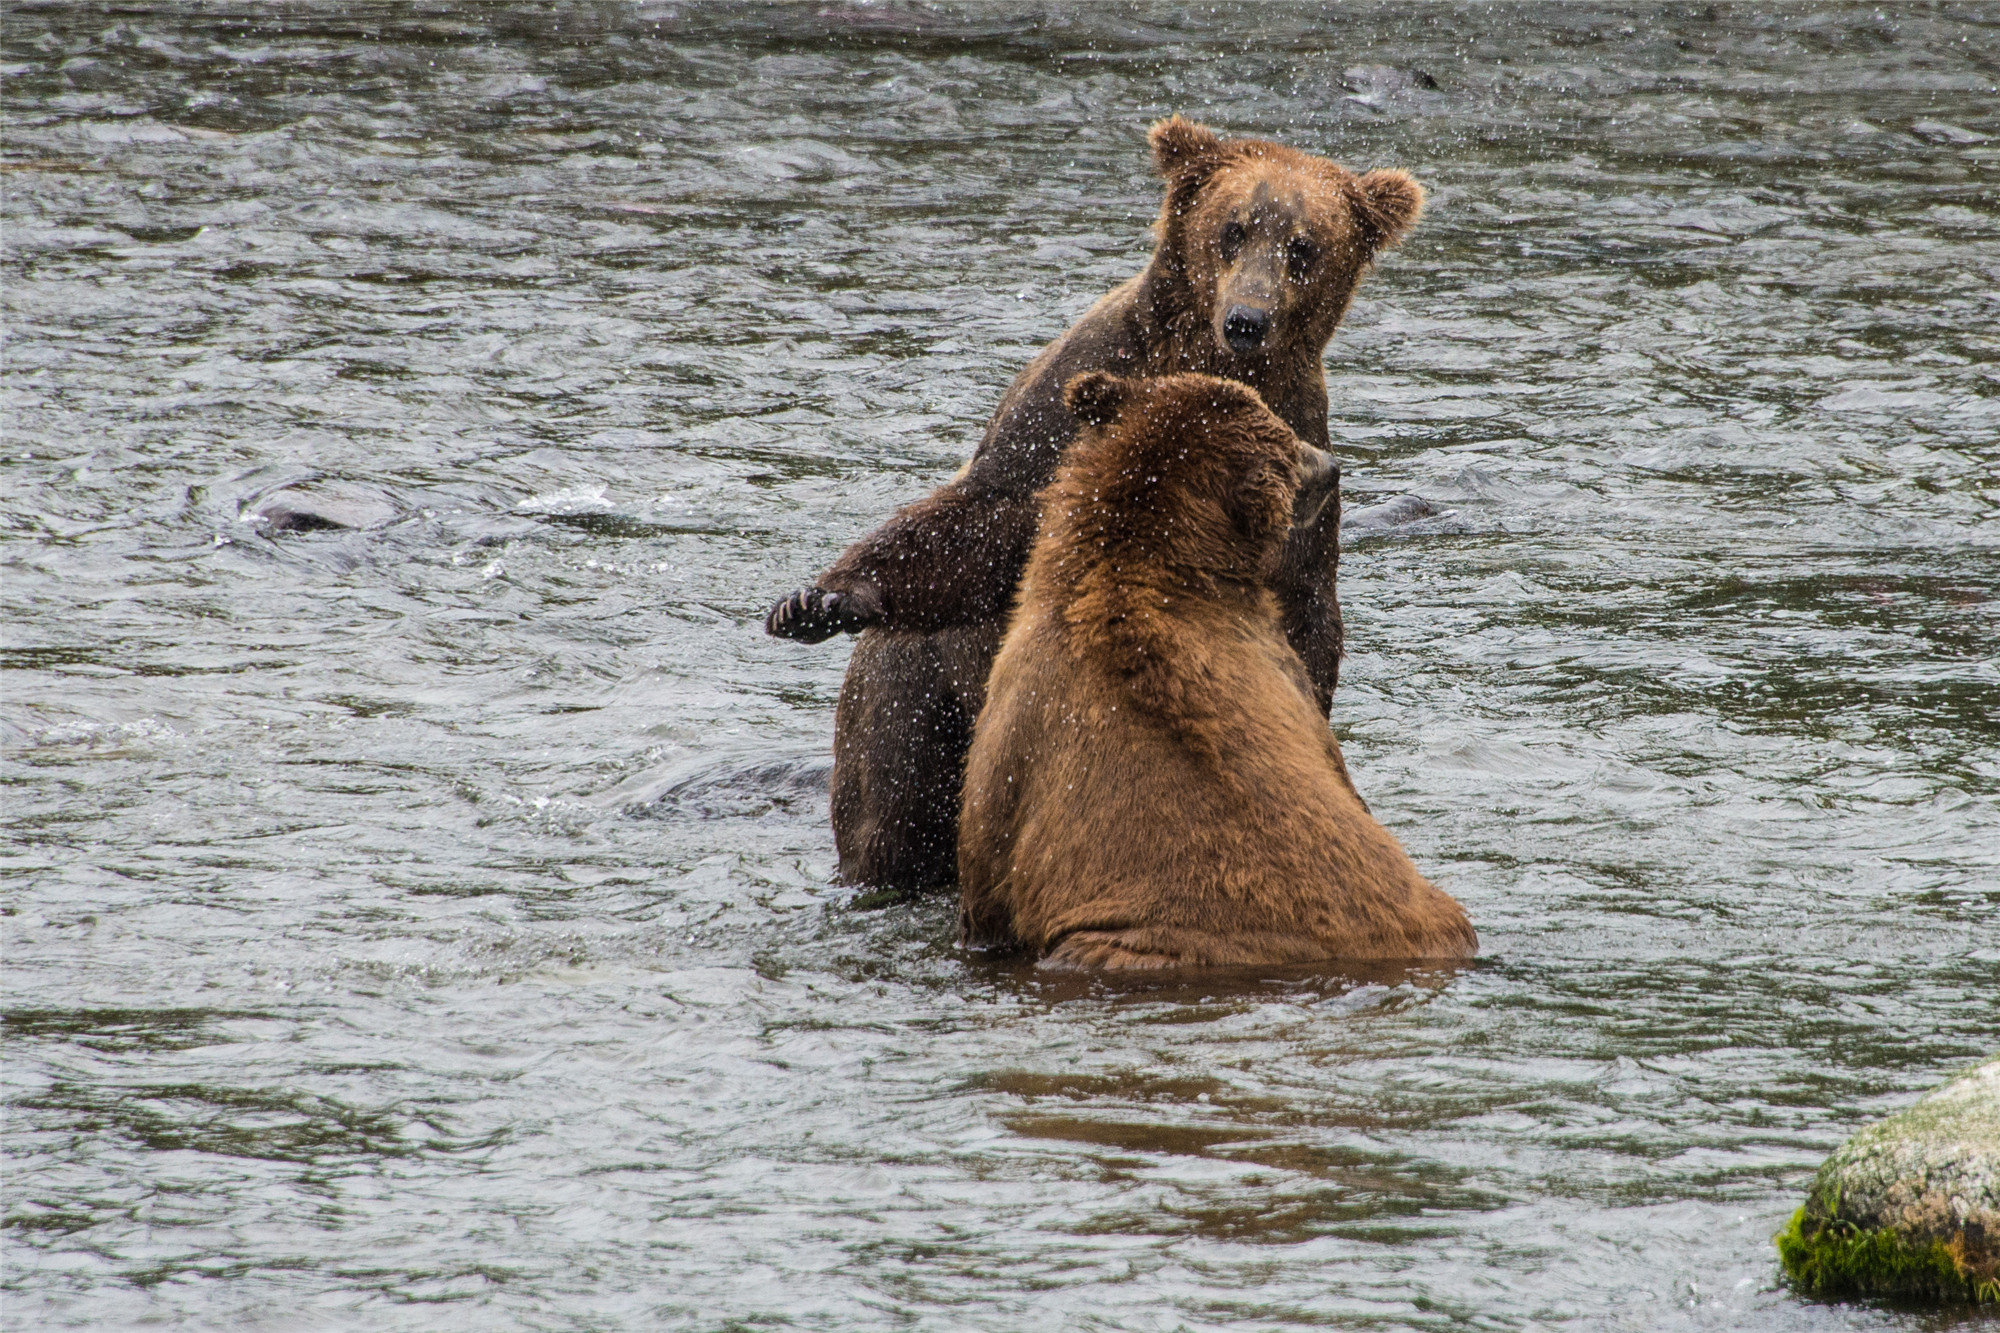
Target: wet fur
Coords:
[(949, 563), (1151, 783)]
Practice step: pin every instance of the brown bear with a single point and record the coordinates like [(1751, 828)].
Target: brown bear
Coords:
[(1258, 251), (1151, 783)]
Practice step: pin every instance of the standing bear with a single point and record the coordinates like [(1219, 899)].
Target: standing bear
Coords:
[(1259, 248), (1151, 783)]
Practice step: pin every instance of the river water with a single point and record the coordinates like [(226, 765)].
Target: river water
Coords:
[(429, 924)]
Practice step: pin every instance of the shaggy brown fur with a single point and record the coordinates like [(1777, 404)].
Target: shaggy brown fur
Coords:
[(1150, 783), (1249, 230)]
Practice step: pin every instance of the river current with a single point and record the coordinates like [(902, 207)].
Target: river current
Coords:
[(429, 922)]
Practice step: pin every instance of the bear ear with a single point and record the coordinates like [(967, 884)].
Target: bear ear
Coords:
[(1178, 144), (1096, 397), (1231, 396), (1390, 203)]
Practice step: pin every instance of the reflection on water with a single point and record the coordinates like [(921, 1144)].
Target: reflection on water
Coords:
[(418, 906)]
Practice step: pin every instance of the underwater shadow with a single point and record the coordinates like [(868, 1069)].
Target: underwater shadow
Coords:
[(1318, 981)]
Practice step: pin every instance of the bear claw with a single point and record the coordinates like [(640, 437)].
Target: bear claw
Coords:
[(811, 615)]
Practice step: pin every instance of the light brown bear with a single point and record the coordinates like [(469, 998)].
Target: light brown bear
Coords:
[(1151, 783), (1259, 248)]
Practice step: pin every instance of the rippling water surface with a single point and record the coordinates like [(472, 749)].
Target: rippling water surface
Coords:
[(428, 923)]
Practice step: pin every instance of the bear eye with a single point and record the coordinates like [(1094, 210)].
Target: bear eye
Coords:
[(1233, 237), (1299, 257)]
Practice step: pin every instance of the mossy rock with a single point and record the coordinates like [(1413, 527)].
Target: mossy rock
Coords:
[(1909, 1207)]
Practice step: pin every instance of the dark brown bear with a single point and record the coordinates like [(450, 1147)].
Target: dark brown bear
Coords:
[(1151, 783), (1259, 250)]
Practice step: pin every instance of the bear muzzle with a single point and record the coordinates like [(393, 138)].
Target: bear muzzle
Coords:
[(1244, 328)]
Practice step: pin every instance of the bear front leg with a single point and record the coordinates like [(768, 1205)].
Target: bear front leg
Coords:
[(1307, 582), (950, 559), (813, 615)]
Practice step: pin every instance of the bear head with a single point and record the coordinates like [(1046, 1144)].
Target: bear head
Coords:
[(1187, 471), (1268, 242)]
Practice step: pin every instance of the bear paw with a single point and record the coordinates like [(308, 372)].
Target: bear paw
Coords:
[(812, 615)]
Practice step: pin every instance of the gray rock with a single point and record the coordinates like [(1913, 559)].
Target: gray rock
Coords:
[(1385, 80), (1909, 1206)]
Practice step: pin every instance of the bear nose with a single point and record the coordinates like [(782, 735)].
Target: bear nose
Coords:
[(1244, 326)]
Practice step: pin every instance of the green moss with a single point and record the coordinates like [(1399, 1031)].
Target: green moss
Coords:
[(1835, 1258)]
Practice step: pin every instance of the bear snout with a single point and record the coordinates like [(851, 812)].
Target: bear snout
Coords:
[(1245, 326), (1319, 482)]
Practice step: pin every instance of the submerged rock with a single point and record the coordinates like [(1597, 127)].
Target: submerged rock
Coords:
[(297, 510), (1376, 86), (1909, 1207), (1404, 508)]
